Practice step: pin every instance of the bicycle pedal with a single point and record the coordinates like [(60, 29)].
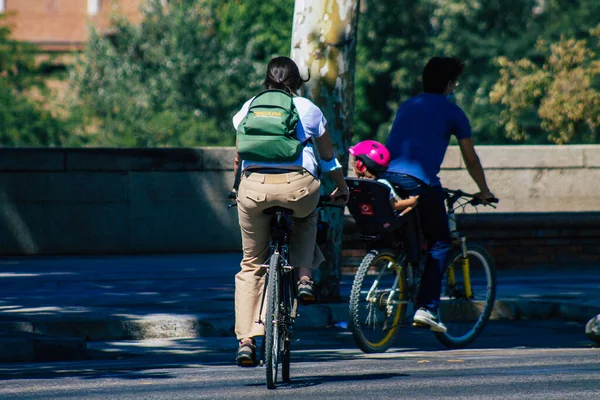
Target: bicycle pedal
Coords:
[(420, 325)]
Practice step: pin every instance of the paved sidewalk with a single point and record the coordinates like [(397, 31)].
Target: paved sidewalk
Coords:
[(57, 308)]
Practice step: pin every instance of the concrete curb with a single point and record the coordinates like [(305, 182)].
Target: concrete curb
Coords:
[(316, 316), (27, 347), (132, 327), (53, 340)]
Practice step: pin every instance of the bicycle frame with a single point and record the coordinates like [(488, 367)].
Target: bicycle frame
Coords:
[(279, 244), (458, 240)]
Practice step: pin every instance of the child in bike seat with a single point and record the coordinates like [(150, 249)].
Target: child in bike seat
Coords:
[(371, 158)]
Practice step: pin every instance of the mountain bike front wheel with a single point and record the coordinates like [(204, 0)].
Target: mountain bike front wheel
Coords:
[(272, 320), (377, 301), (467, 298)]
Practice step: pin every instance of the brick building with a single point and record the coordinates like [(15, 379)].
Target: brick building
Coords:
[(63, 25)]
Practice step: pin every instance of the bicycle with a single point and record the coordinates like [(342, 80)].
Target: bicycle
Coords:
[(387, 279), (279, 295)]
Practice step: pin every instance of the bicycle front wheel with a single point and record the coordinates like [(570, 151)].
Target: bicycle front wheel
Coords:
[(467, 298), (377, 301), (272, 320)]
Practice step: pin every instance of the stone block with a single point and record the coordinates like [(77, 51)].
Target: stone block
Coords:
[(168, 326), (504, 310), (555, 190), (15, 326), (21, 227), (16, 349), (171, 187), (134, 159), (515, 157), (577, 311), (591, 156), (64, 228), (218, 158), (27, 159), (453, 158), (59, 349), (532, 309), (54, 187), (185, 226)]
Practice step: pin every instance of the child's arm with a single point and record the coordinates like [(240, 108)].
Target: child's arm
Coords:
[(404, 205)]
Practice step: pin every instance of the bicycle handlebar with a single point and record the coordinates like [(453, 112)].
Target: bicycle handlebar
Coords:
[(453, 195), (325, 201)]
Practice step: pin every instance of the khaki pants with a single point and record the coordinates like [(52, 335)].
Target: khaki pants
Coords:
[(297, 190)]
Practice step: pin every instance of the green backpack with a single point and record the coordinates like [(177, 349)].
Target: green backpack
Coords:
[(268, 132)]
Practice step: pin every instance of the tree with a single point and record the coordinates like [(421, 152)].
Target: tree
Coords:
[(23, 120), (392, 49), (324, 43), (560, 98), (169, 81)]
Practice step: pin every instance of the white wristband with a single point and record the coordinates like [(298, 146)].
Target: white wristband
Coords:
[(330, 165)]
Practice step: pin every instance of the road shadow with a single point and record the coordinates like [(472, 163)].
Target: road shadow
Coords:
[(300, 383)]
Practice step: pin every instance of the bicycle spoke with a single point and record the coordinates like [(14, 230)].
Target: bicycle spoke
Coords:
[(465, 317), (377, 303)]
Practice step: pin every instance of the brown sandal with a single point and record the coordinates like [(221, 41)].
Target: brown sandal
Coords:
[(305, 291), (246, 354)]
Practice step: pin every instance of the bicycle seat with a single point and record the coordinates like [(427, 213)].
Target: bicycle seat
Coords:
[(370, 206), (275, 209)]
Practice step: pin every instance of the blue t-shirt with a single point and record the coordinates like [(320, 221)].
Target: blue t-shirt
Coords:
[(421, 133)]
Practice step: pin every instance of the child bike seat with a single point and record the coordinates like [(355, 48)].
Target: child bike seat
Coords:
[(370, 206)]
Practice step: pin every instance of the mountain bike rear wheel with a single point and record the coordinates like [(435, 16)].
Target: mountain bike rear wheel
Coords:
[(377, 301), (467, 298), (288, 300), (272, 321)]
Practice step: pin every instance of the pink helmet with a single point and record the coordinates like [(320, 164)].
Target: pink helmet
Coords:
[(370, 155)]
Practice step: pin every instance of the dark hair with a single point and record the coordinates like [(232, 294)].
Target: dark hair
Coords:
[(283, 73), (439, 71)]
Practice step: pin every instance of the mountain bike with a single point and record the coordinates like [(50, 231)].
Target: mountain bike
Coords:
[(387, 280), (279, 306)]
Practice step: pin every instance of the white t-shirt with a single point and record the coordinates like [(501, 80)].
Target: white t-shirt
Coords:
[(312, 124), (388, 184)]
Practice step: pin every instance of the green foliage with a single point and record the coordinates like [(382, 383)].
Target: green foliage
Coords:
[(265, 28), (392, 47), (23, 121), (561, 98), (178, 77)]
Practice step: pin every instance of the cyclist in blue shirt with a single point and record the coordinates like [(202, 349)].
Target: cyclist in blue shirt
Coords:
[(417, 143)]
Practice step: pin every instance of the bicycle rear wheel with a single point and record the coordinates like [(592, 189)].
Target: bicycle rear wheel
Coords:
[(465, 316), (272, 321), (377, 301), (288, 304)]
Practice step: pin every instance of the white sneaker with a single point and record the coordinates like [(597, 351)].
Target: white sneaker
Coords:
[(424, 317)]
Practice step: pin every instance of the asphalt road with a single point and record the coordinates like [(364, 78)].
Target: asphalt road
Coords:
[(511, 360)]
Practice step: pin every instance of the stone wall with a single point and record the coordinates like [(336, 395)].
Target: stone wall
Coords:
[(131, 201), (533, 178), (111, 201)]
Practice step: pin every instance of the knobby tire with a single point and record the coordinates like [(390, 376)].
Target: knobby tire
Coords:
[(361, 329), (286, 339), (478, 309), (272, 340)]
